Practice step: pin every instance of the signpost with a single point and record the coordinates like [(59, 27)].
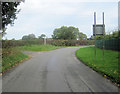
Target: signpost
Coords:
[(98, 30)]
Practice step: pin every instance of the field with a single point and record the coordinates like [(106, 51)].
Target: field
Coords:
[(107, 67)]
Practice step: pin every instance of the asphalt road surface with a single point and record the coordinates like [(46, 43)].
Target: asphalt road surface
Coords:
[(55, 71)]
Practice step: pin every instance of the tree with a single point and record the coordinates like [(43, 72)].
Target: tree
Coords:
[(9, 11), (66, 33), (25, 37), (42, 36), (82, 36), (28, 37), (31, 36), (116, 34)]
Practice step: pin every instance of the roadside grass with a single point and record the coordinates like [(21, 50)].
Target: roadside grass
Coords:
[(39, 47), (107, 67), (11, 57)]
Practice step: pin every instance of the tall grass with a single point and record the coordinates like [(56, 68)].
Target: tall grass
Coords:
[(11, 57)]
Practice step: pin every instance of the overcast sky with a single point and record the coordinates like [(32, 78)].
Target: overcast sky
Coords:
[(43, 16)]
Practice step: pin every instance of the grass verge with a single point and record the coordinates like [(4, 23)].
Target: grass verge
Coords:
[(107, 67), (11, 57), (39, 47)]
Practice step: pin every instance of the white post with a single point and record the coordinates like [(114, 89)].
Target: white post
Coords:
[(45, 41)]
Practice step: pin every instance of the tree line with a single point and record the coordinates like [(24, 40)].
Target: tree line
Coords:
[(62, 33), (32, 37)]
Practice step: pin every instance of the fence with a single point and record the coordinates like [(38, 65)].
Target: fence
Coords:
[(110, 44)]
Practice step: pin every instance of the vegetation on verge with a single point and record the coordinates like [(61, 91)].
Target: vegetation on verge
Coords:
[(11, 57), (107, 67)]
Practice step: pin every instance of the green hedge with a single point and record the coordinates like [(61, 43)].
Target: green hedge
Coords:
[(72, 42), (14, 43), (110, 44)]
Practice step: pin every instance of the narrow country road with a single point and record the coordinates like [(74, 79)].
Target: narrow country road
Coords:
[(55, 71)]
